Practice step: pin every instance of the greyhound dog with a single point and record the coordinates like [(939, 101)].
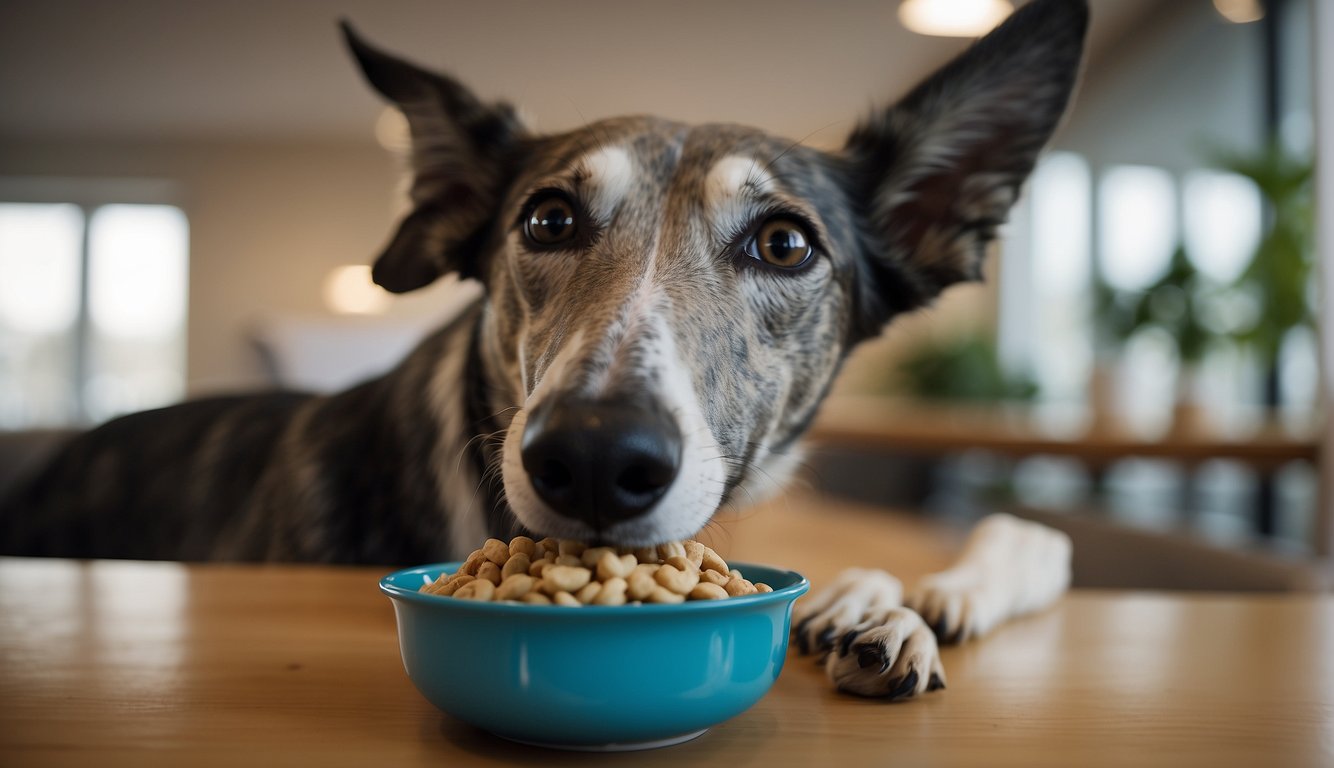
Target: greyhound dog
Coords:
[(665, 308)]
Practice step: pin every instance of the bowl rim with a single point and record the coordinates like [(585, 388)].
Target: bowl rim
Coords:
[(788, 593)]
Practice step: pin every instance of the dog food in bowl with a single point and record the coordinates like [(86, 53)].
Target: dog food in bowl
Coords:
[(597, 677), (570, 573)]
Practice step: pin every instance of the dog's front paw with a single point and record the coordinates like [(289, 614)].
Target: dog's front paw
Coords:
[(893, 655), (956, 606), (1010, 567), (871, 645), (831, 613)]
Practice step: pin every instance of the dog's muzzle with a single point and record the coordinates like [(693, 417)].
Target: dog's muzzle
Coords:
[(600, 461)]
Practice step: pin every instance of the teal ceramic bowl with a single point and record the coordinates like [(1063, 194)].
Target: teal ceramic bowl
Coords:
[(594, 677)]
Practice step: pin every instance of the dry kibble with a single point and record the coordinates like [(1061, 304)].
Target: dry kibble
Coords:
[(516, 564), (682, 564), (522, 545), (694, 552), (496, 551), (436, 585), (640, 583), (564, 578), (738, 587), (612, 593), (678, 581), (570, 573), (592, 555), (452, 588), (706, 591), (515, 587), (455, 584), (713, 562), (477, 589), (612, 567), (473, 562), (490, 572), (661, 594)]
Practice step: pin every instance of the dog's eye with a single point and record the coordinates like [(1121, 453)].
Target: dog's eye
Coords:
[(552, 220), (782, 243)]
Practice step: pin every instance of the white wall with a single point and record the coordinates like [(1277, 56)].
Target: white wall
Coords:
[(267, 223), (1172, 89)]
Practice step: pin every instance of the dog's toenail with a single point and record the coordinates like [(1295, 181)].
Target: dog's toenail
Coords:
[(935, 683), (846, 642), (905, 686), (869, 656)]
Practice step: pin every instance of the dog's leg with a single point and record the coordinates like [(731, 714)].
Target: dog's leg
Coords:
[(1008, 568), (872, 646)]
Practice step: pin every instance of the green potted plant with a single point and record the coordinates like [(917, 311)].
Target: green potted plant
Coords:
[(1177, 303), (1278, 277)]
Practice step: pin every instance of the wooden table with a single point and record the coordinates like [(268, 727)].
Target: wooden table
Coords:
[(915, 427), (145, 664)]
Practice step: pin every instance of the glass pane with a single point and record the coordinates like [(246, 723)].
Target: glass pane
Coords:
[(1137, 225), (1221, 212), (138, 261), (39, 311), (1062, 210)]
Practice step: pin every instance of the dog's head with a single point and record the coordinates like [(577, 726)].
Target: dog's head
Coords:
[(668, 304)]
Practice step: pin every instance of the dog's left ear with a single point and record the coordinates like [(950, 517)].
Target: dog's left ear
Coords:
[(938, 172), (462, 150)]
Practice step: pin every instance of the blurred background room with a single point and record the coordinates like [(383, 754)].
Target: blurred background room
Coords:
[(190, 194)]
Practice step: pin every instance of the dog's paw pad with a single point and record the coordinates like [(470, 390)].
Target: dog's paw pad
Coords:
[(892, 657)]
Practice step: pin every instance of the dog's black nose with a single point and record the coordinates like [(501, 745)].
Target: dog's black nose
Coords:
[(600, 461)]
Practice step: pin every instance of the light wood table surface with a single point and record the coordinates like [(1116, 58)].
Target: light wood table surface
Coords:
[(915, 427), (145, 664)]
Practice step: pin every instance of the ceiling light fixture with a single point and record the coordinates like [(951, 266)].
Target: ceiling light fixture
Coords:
[(953, 18), (1240, 11)]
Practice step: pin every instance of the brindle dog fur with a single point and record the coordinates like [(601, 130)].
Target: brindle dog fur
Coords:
[(659, 302)]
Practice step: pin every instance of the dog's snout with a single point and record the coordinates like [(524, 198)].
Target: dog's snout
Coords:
[(600, 461)]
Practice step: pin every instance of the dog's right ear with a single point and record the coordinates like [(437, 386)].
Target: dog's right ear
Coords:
[(936, 173), (461, 150)]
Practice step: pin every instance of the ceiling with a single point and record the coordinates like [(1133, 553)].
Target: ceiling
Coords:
[(276, 69)]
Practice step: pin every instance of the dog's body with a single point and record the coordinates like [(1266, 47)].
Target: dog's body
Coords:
[(362, 476), (666, 307)]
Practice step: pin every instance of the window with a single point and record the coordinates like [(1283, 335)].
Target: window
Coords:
[(92, 311)]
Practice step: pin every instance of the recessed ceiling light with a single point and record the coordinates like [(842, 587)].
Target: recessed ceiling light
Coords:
[(1240, 11), (953, 18)]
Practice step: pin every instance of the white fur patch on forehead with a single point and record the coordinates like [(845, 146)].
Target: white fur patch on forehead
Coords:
[(609, 172), (725, 184), (729, 176)]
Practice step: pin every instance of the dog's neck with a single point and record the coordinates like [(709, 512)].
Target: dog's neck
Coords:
[(471, 406)]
